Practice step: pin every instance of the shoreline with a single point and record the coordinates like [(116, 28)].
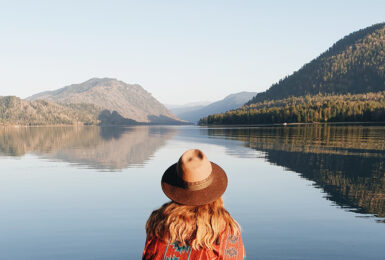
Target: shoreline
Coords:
[(85, 125), (205, 126), (295, 124)]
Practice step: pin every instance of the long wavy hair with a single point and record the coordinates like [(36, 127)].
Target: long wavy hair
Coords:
[(196, 226)]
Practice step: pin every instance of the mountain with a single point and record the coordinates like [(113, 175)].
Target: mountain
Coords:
[(119, 99), (232, 101), (354, 64), (345, 83), (15, 111), (180, 109)]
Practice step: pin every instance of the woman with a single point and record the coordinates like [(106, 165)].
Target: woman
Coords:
[(194, 225)]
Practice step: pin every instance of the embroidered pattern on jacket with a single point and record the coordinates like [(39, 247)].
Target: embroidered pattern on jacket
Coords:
[(233, 239), (231, 252), (172, 258), (180, 249)]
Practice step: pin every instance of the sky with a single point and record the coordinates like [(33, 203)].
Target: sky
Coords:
[(179, 51)]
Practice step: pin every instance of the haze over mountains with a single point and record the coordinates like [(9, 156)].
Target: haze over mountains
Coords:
[(180, 109), (233, 101)]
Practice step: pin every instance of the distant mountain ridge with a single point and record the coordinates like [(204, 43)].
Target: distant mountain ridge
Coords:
[(231, 101), (128, 101), (355, 64), (192, 104), (180, 109)]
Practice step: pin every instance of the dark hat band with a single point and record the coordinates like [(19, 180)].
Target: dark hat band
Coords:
[(196, 185)]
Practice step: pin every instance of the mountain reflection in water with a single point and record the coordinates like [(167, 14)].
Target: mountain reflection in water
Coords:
[(109, 148), (347, 162)]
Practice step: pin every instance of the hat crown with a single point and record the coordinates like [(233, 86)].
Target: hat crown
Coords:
[(194, 166)]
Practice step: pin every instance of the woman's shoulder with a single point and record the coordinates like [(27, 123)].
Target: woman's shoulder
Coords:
[(153, 248), (231, 245)]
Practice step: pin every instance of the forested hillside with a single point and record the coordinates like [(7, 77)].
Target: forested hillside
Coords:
[(318, 108), (355, 64)]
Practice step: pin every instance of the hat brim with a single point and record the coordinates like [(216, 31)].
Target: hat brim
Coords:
[(179, 194)]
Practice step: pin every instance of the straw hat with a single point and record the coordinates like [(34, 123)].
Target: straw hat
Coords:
[(194, 180)]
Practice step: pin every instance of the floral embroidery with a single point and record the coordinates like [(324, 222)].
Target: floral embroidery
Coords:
[(233, 239), (231, 252)]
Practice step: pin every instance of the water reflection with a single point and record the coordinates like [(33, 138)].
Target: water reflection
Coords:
[(347, 162), (103, 148)]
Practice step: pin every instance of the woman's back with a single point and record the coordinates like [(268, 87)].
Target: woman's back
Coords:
[(195, 224), (207, 231), (229, 247)]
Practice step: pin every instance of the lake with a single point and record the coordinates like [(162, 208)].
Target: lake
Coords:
[(299, 192)]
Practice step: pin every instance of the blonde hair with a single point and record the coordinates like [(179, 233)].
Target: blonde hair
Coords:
[(196, 226)]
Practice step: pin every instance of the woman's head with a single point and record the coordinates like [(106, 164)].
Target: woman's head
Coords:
[(197, 226), (194, 180)]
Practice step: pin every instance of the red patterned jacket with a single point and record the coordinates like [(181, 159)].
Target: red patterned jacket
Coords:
[(229, 248)]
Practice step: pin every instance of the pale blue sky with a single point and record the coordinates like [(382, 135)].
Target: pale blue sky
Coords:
[(180, 51)]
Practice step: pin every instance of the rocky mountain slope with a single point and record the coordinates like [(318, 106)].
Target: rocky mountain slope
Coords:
[(128, 101), (15, 111)]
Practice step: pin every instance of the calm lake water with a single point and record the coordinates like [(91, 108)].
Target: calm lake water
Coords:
[(299, 192)]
